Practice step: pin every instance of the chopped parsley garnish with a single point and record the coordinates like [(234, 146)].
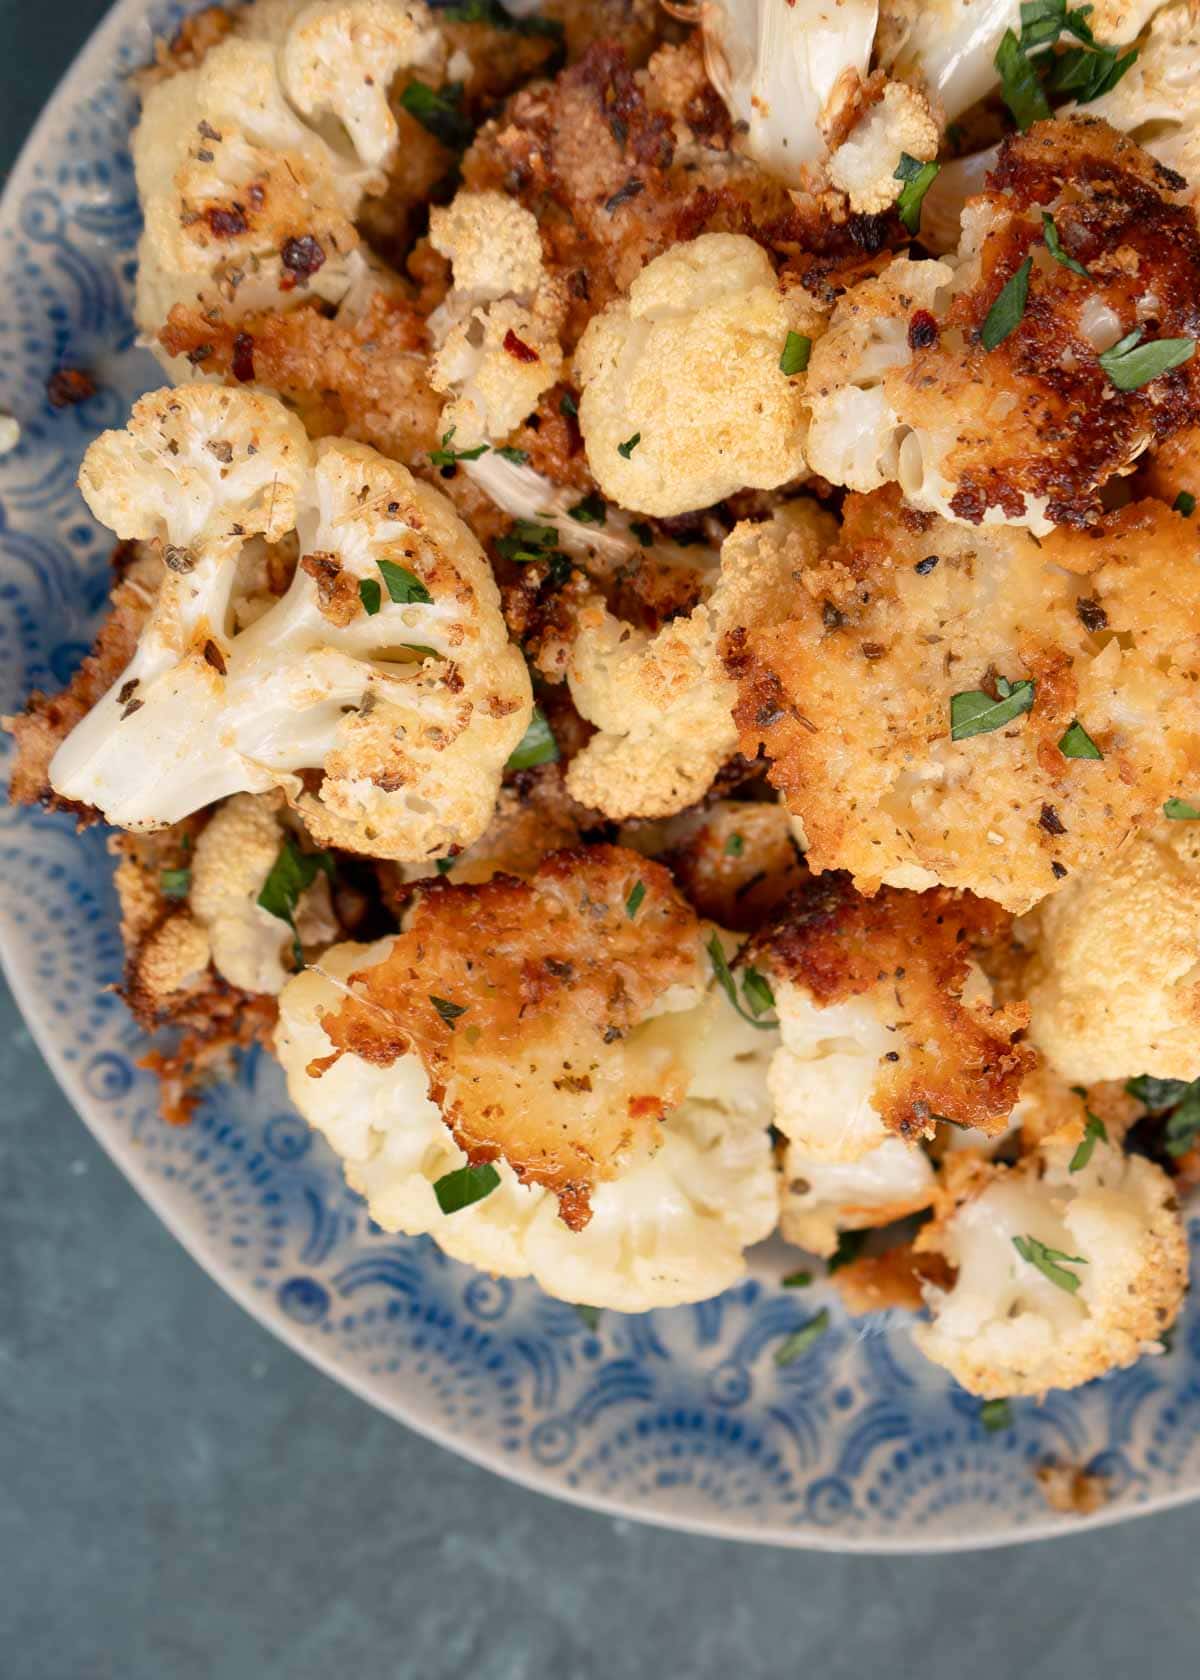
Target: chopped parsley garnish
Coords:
[(1005, 315), (755, 987), (1179, 810), (403, 586), (796, 351), (568, 406), (518, 457), (1086, 71), (1019, 84), (799, 1342), (1130, 364), (591, 510), (850, 1245), (292, 873), (444, 865), (734, 846), (796, 1280), (918, 177), (447, 1010), (643, 532), (634, 902), (1042, 22), (995, 1415), (421, 651), (1077, 743), (1177, 1097), (1184, 503), (1051, 1262), (527, 541), (589, 1315), (493, 13), (448, 456), (175, 883), (1083, 71), (975, 712), (627, 448), (1054, 246), (371, 596), (536, 746), (440, 112), (458, 1190), (1093, 1128)]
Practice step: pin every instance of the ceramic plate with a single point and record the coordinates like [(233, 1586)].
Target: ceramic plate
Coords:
[(679, 1417)]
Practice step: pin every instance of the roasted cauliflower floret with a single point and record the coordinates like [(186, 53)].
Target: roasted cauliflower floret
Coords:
[(683, 398), (1114, 981), (819, 1199), (497, 332), (1155, 99), (251, 167), (973, 708), (385, 668), (1061, 1275), (899, 123), (234, 854), (735, 860), (669, 1226), (887, 1022), (662, 704), (1019, 408)]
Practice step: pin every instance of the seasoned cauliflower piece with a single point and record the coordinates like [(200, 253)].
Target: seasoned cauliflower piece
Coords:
[(662, 704), (819, 1199), (497, 332), (248, 205), (735, 860), (903, 387), (233, 856), (1155, 100), (1114, 982), (1061, 1275), (386, 665), (887, 1024), (683, 400), (903, 632), (864, 165), (670, 1226)]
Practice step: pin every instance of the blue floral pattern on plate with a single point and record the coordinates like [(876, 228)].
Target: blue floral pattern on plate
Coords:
[(678, 1417)]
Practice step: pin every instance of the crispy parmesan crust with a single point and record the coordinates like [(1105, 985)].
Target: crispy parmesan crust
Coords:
[(550, 975), (913, 950)]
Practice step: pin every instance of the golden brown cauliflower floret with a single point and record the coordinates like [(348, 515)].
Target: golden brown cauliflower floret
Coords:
[(523, 999), (684, 401), (662, 704), (1064, 1268), (854, 697), (1114, 982), (736, 860), (903, 386)]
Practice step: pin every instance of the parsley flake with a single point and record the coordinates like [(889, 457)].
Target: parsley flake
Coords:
[(1179, 810), (634, 902), (1077, 743), (448, 456), (527, 541), (1004, 317), (734, 846), (292, 873), (1051, 1262), (591, 510), (796, 351), (756, 990), (440, 112), (918, 177), (460, 1189), (626, 449), (589, 1315), (371, 596), (518, 457), (444, 865), (1019, 84), (449, 1012), (643, 532), (975, 712), (1130, 364), (799, 1342), (493, 13), (1184, 503), (403, 587), (536, 746), (1093, 1128), (175, 883), (995, 1415), (1176, 1098), (850, 1245), (796, 1280), (755, 987), (1054, 246)]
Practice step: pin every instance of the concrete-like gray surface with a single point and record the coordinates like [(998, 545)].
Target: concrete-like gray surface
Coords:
[(181, 1498)]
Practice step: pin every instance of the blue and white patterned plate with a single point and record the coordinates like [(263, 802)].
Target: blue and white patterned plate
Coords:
[(676, 1417)]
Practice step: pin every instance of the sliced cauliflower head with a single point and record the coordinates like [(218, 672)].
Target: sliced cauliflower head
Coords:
[(385, 668), (251, 167), (1114, 982), (1060, 1275), (819, 1199), (662, 704), (887, 1024), (683, 399), (901, 633), (497, 332), (667, 1222), (904, 387), (234, 854)]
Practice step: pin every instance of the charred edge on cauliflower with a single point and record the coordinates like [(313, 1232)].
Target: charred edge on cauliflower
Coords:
[(546, 978), (952, 1061)]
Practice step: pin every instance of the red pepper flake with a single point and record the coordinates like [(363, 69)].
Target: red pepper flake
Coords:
[(227, 224), (518, 348), (303, 257), (69, 386), (922, 330), (243, 358)]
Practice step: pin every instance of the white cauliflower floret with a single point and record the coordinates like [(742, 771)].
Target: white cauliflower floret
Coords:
[(233, 856), (662, 704), (819, 1199), (1114, 983), (497, 332), (671, 1214), (1098, 1276), (386, 665), (251, 167), (683, 399), (864, 166), (1155, 100)]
